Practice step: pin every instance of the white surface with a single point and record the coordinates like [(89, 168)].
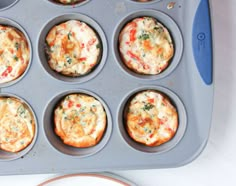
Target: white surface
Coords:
[(216, 166)]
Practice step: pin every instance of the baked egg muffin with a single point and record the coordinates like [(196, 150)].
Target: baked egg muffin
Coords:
[(73, 48), (80, 120), (17, 125), (146, 46), (150, 118), (14, 54)]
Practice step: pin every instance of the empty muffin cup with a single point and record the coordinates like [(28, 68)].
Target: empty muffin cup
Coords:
[(77, 123), (18, 127), (72, 48), (152, 119), (147, 45)]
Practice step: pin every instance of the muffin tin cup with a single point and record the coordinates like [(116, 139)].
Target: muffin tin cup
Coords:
[(5, 4), (60, 5), (8, 22), (57, 143), (182, 120), (8, 156), (173, 30), (42, 47)]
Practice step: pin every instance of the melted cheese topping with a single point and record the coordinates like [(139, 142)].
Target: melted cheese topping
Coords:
[(80, 120), (14, 54), (73, 48), (69, 1), (151, 118), (17, 125), (146, 46)]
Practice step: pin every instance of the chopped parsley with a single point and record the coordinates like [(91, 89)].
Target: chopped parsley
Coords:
[(144, 36), (17, 46), (21, 110), (148, 106), (16, 58), (159, 29), (68, 60), (69, 35)]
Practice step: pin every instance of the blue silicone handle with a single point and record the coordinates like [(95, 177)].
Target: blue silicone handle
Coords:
[(202, 41)]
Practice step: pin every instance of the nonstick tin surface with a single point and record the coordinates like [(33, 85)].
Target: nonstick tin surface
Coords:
[(112, 84)]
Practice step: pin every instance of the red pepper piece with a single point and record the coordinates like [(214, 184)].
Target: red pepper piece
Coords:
[(132, 35), (82, 58), (7, 71), (70, 104)]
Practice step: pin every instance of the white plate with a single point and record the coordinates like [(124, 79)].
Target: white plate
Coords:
[(91, 179)]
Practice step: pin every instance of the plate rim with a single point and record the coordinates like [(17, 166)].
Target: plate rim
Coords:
[(106, 175)]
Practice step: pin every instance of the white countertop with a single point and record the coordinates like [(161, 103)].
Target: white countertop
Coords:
[(216, 166)]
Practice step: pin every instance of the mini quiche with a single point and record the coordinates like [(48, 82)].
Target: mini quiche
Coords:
[(73, 48), (17, 125), (14, 54), (69, 2), (151, 119), (80, 120), (145, 46)]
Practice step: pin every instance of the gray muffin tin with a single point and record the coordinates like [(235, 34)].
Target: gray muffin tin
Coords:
[(111, 83)]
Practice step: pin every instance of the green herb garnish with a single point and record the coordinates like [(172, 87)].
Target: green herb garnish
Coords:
[(16, 58), (21, 110), (68, 60), (144, 36), (17, 46), (159, 29), (69, 35), (148, 106)]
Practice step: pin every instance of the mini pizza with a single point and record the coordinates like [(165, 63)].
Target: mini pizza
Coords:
[(69, 2), (80, 120), (151, 119), (145, 46), (14, 54), (73, 48), (17, 125)]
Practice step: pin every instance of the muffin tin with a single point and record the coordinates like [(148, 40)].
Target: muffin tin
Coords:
[(188, 82)]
